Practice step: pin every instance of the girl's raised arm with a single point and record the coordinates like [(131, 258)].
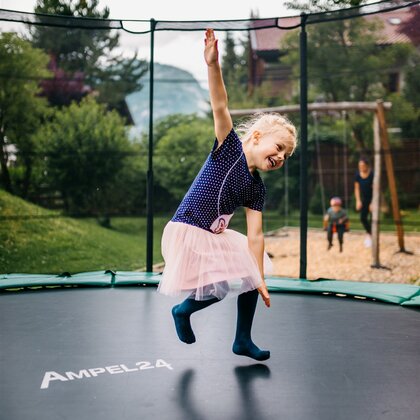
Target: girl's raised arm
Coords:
[(218, 96)]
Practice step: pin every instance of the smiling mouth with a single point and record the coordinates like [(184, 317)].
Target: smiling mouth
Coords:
[(272, 162)]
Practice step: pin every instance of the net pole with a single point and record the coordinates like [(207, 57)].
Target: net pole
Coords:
[(303, 148), (345, 158), (319, 162), (376, 199), (149, 236)]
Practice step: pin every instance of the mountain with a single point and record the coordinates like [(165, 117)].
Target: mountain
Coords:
[(176, 91)]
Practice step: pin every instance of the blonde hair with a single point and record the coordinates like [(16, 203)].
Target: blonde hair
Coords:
[(270, 123)]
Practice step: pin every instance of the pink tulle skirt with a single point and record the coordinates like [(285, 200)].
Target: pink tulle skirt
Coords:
[(206, 264)]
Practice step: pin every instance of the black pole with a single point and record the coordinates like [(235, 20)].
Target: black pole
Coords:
[(303, 147), (149, 246)]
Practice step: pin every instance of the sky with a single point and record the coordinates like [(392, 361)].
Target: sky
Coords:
[(180, 49)]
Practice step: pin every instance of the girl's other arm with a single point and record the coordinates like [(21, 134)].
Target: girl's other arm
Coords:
[(256, 245), (218, 95)]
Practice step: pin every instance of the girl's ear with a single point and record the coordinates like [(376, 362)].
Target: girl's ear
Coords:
[(256, 136)]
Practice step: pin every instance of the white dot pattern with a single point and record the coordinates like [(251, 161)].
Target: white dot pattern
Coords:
[(199, 206)]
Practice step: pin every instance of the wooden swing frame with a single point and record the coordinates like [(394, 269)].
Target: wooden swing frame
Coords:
[(381, 147)]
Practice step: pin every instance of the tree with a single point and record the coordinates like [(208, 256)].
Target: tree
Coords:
[(235, 72), (412, 83), (88, 53), (21, 109), (60, 89), (346, 62), (173, 121), (180, 153), (85, 147), (321, 5), (411, 95), (73, 49), (230, 61)]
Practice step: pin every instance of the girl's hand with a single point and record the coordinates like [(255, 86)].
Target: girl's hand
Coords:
[(264, 294), (358, 205), (211, 52)]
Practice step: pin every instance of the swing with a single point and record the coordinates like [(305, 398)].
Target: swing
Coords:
[(321, 180), (334, 227)]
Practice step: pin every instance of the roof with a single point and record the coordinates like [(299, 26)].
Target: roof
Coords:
[(393, 23)]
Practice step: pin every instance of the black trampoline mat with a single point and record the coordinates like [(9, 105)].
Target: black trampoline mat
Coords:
[(114, 354)]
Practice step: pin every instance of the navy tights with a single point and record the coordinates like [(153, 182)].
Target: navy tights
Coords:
[(182, 313), (243, 344)]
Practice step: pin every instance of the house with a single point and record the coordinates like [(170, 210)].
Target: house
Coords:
[(265, 62)]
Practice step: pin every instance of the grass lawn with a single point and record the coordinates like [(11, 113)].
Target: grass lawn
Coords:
[(46, 243)]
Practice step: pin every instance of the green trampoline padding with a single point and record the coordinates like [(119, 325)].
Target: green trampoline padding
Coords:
[(95, 278), (401, 294)]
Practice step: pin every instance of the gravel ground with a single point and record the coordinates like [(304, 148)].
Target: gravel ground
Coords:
[(352, 264)]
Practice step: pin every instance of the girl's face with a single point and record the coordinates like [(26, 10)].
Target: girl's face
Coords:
[(270, 151)]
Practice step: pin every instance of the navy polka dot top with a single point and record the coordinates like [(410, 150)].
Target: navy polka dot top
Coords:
[(223, 184)]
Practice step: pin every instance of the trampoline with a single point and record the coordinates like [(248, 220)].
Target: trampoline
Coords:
[(103, 346), (112, 352)]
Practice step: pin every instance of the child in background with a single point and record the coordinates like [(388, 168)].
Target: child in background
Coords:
[(336, 219), (203, 257)]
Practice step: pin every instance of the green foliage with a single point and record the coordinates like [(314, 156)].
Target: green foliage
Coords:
[(21, 108), (90, 51), (412, 79), (180, 153), (411, 91), (230, 60), (235, 64), (315, 202), (73, 49), (86, 147), (164, 198), (346, 62), (277, 184), (235, 71), (321, 5), (358, 71), (173, 121), (405, 115), (128, 190)]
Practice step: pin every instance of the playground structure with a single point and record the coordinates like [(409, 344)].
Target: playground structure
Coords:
[(381, 148)]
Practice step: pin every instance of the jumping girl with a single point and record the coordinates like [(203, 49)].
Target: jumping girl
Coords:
[(203, 257)]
